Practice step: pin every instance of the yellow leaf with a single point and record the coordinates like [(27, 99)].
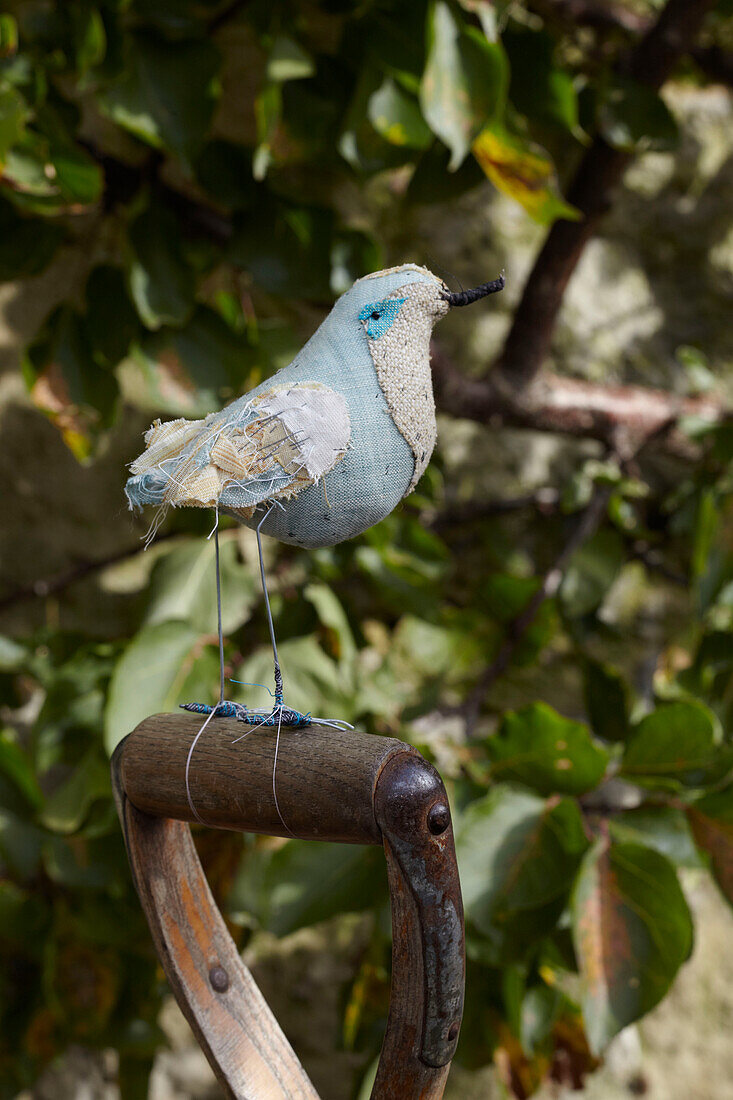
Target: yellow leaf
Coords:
[(524, 174), (50, 394)]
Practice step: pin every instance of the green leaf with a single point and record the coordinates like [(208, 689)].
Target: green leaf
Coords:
[(49, 173), (303, 883), (506, 598), (538, 747), (632, 116), (632, 932), (19, 791), (288, 254), (606, 696), (710, 672), (225, 171), (111, 323), (78, 179), (8, 35), (591, 572), (516, 853), (183, 371), (539, 89), (700, 378), (711, 821), (464, 83), (268, 114), (288, 61), (663, 828), (432, 182), (354, 253), (67, 808), (395, 114), (359, 143), (488, 13), (13, 113), (433, 650), (707, 525), (677, 745), (161, 282), (161, 667), (12, 654), (183, 587), (522, 171), (89, 37), (27, 245), (332, 615), (78, 864), (165, 94), (541, 1007), (20, 845)]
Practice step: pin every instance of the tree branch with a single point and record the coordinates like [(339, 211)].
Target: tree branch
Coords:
[(614, 415), (650, 62)]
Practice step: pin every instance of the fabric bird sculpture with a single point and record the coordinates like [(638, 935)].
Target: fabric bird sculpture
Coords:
[(321, 451)]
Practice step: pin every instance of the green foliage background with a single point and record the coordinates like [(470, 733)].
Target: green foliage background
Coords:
[(226, 170)]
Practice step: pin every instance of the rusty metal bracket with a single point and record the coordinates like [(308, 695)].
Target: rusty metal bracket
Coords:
[(331, 785)]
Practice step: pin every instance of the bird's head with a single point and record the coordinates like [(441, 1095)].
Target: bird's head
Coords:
[(400, 306), (397, 310)]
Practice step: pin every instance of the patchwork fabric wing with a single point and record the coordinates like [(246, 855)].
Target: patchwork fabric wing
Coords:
[(264, 448)]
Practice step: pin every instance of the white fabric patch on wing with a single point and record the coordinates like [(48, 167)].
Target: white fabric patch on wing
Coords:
[(317, 421), (268, 448)]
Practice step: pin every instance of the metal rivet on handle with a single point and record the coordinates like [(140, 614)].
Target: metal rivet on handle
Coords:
[(438, 818), (219, 979)]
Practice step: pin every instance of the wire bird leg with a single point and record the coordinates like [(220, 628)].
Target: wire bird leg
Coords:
[(279, 715)]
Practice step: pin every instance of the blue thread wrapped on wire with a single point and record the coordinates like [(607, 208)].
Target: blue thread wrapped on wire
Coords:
[(279, 715)]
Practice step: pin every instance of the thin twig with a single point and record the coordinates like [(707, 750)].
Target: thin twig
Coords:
[(544, 501), (227, 12), (42, 588), (588, 523), (653, 561)]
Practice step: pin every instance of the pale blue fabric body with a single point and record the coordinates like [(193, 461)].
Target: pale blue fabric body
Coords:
[(374, 475), (376, 471)]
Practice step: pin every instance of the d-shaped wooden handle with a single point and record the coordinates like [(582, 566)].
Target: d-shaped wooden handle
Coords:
[(331, 785)]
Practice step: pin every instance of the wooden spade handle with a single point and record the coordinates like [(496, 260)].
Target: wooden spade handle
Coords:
[(331, 785)]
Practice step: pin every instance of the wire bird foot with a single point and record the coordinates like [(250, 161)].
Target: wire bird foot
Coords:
[(252, 716)]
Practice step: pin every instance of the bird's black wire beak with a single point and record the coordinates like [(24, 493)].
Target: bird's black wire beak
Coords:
[(465, 297)]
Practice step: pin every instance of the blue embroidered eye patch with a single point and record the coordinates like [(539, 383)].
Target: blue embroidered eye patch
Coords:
[(380, 316)]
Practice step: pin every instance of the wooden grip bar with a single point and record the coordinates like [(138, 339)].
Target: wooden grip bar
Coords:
[(325, 779), (330, 785)]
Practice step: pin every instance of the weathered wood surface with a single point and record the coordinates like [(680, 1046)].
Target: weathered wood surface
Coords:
[(428, 956), (325, 778), (216, 992), (331, 785)]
